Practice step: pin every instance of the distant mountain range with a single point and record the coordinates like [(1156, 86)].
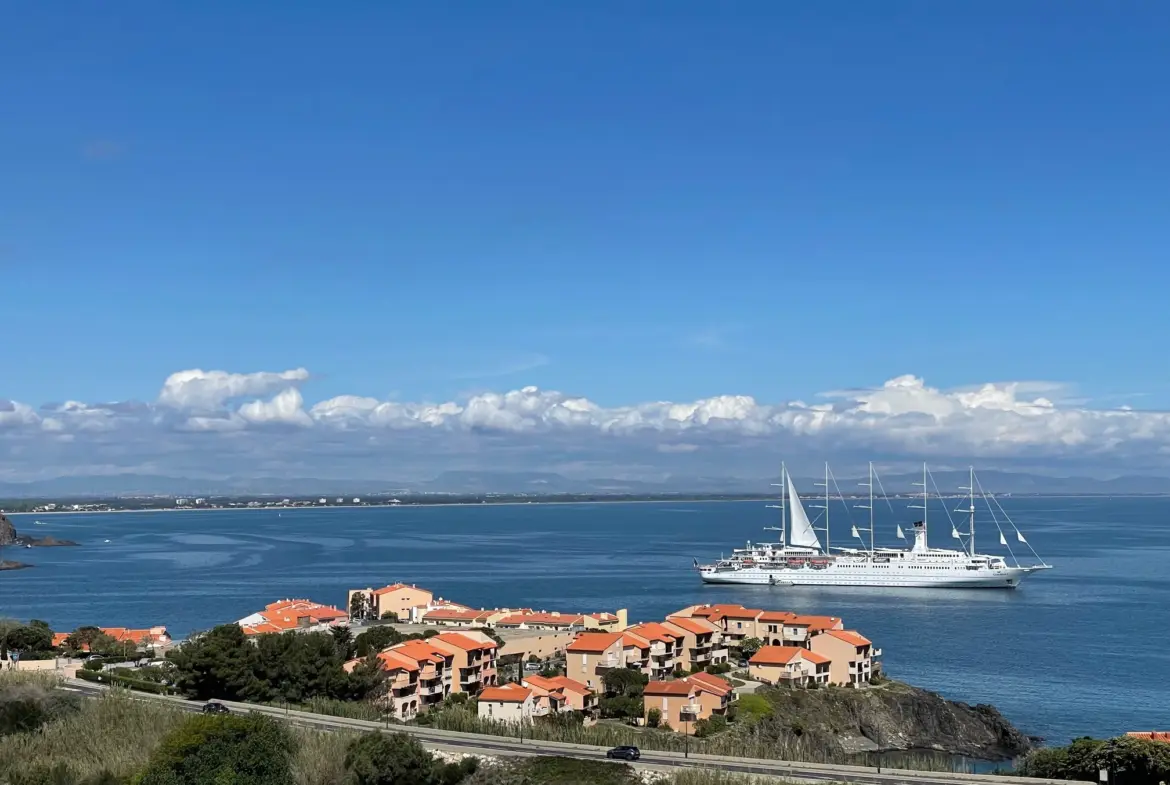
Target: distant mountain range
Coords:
[(548, 483)]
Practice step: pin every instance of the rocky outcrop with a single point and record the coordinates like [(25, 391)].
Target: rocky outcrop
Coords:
[(13, 565), (890, 717), (7, 531), (9, 536)]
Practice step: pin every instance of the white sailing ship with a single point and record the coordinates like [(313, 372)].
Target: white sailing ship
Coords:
[(800, 558)]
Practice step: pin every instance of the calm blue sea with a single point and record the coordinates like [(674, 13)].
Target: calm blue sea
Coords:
[(1077, 650)]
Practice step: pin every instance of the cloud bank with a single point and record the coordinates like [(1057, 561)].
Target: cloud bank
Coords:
[(216, 423)]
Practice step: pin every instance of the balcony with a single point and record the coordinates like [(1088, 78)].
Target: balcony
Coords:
[(608, 661), (875, 653), (431, 688)]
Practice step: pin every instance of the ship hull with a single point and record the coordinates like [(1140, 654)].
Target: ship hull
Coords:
[(944, 579)]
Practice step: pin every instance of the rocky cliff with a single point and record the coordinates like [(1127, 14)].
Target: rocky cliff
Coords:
[(9, 536), (889, 717)]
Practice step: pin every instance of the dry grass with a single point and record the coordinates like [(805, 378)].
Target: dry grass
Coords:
[(113, 734)]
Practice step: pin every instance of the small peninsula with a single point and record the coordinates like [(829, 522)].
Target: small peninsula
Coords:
[(9, 536)]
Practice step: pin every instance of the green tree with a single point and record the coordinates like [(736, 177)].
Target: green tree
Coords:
[(223, 750), (391, 616), (377, 639), (749, 646), (6, 626), (221, 663), (620, 707), (654, 718), (390, 759), (36, 636), (343, 641), (359, 606), (624, 681)]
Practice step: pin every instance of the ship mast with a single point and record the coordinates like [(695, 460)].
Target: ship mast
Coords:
[(971, 506), (824, 506), (924, 506), (867, 507), (782, 528)]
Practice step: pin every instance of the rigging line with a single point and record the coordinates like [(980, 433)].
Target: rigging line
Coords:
[(885, 496), (845, 504), (1003, 538), (946, 507), (1039, 558)]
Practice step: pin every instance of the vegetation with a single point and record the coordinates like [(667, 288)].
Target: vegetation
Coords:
[(1129, 760), (287, 668), (749, 646), (34, 638), (26, 704), (207, 750), (400, 759), (376, 639)]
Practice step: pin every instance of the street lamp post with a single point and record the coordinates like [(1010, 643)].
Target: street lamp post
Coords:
[(686, 738)]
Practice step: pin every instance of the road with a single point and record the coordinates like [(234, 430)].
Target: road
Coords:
[(502, 746)]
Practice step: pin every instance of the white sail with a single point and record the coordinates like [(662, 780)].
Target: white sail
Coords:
[(955, 533), (901, 534), (855, 533), (1020, 537), (803, 534), (1002, 539)]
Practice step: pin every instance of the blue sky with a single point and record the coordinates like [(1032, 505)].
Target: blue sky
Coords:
[(667, 202)]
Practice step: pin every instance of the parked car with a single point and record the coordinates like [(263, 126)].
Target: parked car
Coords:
[(533, 667), (215, 707), (624, 753)]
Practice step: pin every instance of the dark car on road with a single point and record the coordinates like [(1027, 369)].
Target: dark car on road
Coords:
[(214, 707), (624, 753)]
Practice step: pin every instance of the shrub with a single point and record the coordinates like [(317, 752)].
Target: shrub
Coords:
[(389, 759), (122, 681), (654, 718), (210, 750), (710, 726)]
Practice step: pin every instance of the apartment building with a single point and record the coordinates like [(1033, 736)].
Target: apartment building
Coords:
[(851, 655), (789, 666), (678, 702), (715, 694), (402, 696), (699, 642), (592, 654), (775, 628), (474, 659), (663, 651), (288, 615), (571, 695), (460, 617), (405, 602), (509, 703), (436, 676)]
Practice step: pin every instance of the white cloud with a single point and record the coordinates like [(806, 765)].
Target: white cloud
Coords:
[(208, 421), (205, 390)]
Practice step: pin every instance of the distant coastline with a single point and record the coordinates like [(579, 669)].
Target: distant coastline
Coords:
[(121, 505)]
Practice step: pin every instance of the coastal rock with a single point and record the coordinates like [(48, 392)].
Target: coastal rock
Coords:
[(7, 531), (9, 536), (891, 717), (13, 565)]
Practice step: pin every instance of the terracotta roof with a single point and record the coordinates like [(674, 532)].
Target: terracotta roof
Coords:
[(738, 612), (399, 586), (559, 619), (59, 638), (814, 622), (849, 636), (1151, 735), (594, 641), (604, 616), (682, 688), (654, 631), (284, 615), (509, 693), (697, 627), (420, 651), (711, 683), (632, 639), (463, 641), (813, 657), (455, 614), (778, 616), (776, 655), (557, 683)]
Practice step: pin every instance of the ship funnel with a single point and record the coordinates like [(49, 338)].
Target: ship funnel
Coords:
[(920, 545)]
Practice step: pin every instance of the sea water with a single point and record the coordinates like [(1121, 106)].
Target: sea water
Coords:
[(1081, 649)]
